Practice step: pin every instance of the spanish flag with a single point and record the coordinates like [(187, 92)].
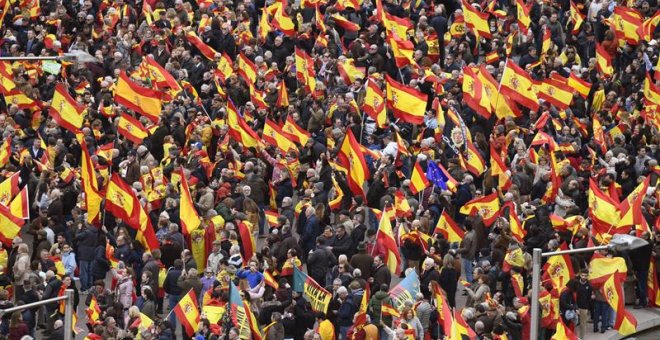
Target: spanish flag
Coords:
[(555, 92), (90, 185), (18, 98), (305, 70), (474, 93), (283, 23), (459, 329), (653, 286), (247, 241), (225, 67), (397, 26), (581, 86), (65, 110), (516, 228), (562, 332), (492, 57), (559, 269), (273, 135), (160, 76), (131, 129), (442, 306), (408, 104), (352, 159), (11, 225), (517, 84), (522, 10), (295, 132), (187, 213), (547, 42), (387, 309), (626, 22), (418, 180), (472, 160), (264, 26), (487, 206), (651, 90), (502, 105), (270, 280), (120, 201), (403, 51), (137, 98), (246, 68), (349, 72), (374, 104), (631, 207), (385, 238), (187, 312), (604, 61), (401, 205), (20, 204), (344, 23), (93, 311), (577, 18), (448, 228), (203, 48), (9, 186), (602, 208), (476, 20), (625, 323), (335, 203), (645, 31), (239, 129)]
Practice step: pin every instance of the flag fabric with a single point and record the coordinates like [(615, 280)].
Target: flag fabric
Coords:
[(476, 20), (93, 311), (559, 269), (11, 225), (474, 93), (140, 99), (576, 17), (472, 160), (487, 206), (581, 86), (449, 228), (283, 22), (317, 296), (651, 90), (407, 104), (374, 104), (282, 95), (295, 132), (132, 129), (502, 105), (653, 287), (517, 84), (405, 291), (649, 25), (444, 312), (335, 203), (344, 23), (246, 68), (604, 61), (524, 19), (305, 72), (352, 159), (20, 204), (9, 187), (602, 208), (418, 180), (203, 48), (274, 136), (403, 51), (187, 312), (625, 24), (555, 92), (385, 237), (349, 72), (247, 241), (90, 186), (269, 280), (516, 228), (631, 207), (459, 329), (187, 214), (239, 129), (436, 176), (387, 309), (625, 323), (562, 332), (65, 110)]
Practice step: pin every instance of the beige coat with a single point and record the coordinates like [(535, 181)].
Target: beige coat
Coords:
[(21, 269)]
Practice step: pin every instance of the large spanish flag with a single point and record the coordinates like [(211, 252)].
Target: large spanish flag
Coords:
[(651, 90), (349, 72), (474, 93), (273, 135), (305, 72), (20, 204), (522, 10), (449, 228), (187, 213), (374, 104), (647, 28), (283, 23), (138, 98), (239, 129), (65, 110), (408, 104), (418, 180), (385, 238), (9, 186), (246, 68), (403, 51), (131, 129), (604, 61), (351, 158), (502, 105), (120, 200), (476, 20), (576, 17), (487, 206), (517, 84), (602, 208), (472, 161), (626, 22), (187, 312), (555, 92), (11, 225), (90, 186), (249, 245), (559, 269)]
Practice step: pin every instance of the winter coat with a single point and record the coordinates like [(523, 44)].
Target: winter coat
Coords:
[(375, 305), (125, 293), (86, 241)]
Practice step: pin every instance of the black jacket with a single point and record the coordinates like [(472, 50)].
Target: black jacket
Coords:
[(86, 241), (170, 284), (426, 278), (320, 262), (381, 275)]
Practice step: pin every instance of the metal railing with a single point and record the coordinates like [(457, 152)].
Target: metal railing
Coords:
[(68, 310)]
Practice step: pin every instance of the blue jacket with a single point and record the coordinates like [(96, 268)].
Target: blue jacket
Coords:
[(253, 278), (310, 232), (346, 312)]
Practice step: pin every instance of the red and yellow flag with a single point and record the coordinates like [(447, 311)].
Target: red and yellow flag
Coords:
[(517, 84), (93, 311), (581, 86), (20, 204), (273, 135), (140, 99), (246, 68), (387, 309), (9, 186), (418, 180), (555, 91), (352, 159), (476, 20), (132, 129), (459, 329), (374, 104), (472, 161), (474, 93), (559, 269), (522, 10), (349, 72), (247, 241), (90, 186), (239, 129), (11, 225), (502, 105), (187, 213), (449, 228), (625, 22), (203, 48), (385, 238), (408, 104), (604, 61), (344, 23), (576, 17), (562, 332), (65, 110), (295, 132), (187, 312), (305, 72), (487, 206), (283, 22)]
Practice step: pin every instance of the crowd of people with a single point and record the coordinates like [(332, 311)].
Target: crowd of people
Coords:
[(357, 199)]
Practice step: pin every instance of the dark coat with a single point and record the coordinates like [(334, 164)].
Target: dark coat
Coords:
[(342, 245), (381, 275), (364, 262), (425, 278), (86, 241), (319, 263)]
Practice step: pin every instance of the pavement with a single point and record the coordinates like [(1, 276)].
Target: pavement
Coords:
[(646, 319)]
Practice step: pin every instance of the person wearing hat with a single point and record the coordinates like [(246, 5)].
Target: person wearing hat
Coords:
[(215, 257)]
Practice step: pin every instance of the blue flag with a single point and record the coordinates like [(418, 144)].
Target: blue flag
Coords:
[(299, 279), (436, 176)]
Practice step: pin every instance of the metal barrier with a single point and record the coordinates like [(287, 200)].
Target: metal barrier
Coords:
[(68, 310)]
